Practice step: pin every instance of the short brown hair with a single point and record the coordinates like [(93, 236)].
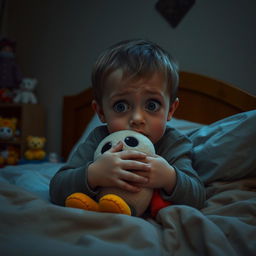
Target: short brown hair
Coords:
[(137, 59)]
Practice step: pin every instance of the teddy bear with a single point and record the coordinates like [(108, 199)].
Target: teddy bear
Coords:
[(35, 149), (116, 200), (7, 128), (26, 92)]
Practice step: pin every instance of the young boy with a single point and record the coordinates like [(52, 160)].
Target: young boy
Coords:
[(135, 88)]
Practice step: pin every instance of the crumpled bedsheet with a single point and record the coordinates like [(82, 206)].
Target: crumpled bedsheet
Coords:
[(31, 225)]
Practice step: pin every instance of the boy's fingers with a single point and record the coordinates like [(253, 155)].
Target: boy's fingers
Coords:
[(141, 173), (135, 165), (132, 154), (133, 178), (127, 154), (116, 148)]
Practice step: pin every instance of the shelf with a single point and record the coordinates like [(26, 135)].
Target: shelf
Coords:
[(13, 141), (31, 121)]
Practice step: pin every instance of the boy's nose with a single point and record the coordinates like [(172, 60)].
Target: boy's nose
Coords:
[(137, 117)]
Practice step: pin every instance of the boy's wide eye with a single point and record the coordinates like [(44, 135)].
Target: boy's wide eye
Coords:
[(152, 105), (120, 107)]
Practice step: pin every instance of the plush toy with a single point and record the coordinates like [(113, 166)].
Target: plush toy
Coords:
[(10, 74), (26, 92), (53, 157), (113, 199), (6, 95), (35, 149), (7, 128), (9, 156)]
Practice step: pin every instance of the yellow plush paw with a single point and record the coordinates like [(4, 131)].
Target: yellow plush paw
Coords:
[(29, 155), (39, 155), (81, 201), (114, 204)]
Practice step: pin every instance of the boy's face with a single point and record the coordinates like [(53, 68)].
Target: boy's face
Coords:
[(140, 105)]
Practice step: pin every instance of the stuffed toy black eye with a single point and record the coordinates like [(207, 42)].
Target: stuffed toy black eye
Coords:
[(106, 147), (131, 141)]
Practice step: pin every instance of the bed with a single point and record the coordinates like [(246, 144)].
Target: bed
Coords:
[(220, 121)]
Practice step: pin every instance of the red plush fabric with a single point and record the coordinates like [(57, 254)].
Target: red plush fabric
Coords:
[(157, 203)]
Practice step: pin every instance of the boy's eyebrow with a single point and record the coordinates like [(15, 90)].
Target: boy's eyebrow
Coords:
[(127, 92), (118, 95)]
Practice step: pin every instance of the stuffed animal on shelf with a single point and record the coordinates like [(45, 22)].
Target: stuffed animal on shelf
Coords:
[(7, 128), (35, 149), (6, 95), (116, 200), (9, 156), (26, 92), (10, 73)]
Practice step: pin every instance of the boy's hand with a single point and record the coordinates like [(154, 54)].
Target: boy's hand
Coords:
[(160, 174), (111, 169)]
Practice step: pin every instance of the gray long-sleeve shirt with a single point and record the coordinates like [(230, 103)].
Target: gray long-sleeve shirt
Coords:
[(173, 146)]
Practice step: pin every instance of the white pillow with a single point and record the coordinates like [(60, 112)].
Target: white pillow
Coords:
[(226, 150), (93, 124)]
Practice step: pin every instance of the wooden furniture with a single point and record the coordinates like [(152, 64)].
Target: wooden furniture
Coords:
[(206, 100), (31, 121), (202, 99)]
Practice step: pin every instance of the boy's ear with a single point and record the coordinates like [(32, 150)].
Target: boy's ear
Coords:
[(98, 109), (172, 109)]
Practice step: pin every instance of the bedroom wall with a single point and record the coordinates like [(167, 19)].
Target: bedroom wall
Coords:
[(59, 40)]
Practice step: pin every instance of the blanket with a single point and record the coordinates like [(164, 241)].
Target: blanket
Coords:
[(31, 225)]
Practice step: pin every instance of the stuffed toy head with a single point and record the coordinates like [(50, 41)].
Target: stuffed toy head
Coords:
[(35, 142), (8, 45), (7, 128), (130, 139), (28, 84)]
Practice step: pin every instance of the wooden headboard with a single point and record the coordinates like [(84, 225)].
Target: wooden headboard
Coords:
[(202, 99)]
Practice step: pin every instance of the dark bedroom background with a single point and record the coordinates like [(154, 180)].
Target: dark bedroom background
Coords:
[(58, 41)]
